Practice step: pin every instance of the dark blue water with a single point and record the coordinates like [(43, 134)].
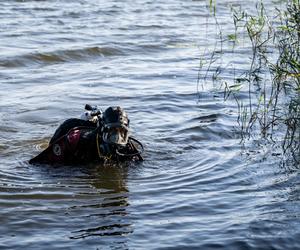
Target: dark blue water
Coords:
[(199, 186)]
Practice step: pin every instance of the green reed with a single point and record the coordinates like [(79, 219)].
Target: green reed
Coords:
[(273, 82), (280, 36), (286, 72)]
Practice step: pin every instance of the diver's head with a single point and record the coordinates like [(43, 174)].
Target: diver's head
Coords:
[(115, 126)]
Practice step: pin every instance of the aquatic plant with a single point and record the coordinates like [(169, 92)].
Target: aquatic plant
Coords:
[(273, 77), (286, 72)]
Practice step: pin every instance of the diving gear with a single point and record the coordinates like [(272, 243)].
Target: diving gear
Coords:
[(115, 126), (92, 114), (81, 141)]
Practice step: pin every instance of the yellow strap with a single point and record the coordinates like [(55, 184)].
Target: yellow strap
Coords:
[(98, 149), (99, 152)]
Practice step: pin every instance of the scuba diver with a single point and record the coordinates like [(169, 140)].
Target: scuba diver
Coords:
[(96, 136)]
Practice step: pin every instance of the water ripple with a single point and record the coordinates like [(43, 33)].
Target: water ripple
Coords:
[(60, 56), (198, 188)]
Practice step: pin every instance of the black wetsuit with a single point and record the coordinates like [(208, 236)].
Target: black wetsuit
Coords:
[(80, 142), (65, 127)]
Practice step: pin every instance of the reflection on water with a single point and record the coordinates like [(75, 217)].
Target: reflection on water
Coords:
[(198, 188), (82, 202), (108, 216)]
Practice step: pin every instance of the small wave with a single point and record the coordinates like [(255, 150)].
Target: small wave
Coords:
[(206, 118), (59, 56), (107, 230)]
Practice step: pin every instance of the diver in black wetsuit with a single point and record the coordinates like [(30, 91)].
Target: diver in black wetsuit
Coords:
[(78, 141)]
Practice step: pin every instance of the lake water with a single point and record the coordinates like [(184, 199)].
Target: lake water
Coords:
[(198, 188)]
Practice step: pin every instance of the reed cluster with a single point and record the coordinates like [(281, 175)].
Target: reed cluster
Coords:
[(273, 78)]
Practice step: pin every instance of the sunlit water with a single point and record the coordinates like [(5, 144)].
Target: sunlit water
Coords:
[(198, 188)]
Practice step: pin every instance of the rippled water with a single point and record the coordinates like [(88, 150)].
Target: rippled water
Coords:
[(198, 187)]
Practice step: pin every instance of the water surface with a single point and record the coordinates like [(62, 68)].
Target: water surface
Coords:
[(198, 188)]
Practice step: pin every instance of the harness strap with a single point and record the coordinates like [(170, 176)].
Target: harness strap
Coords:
[(104, 148)]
